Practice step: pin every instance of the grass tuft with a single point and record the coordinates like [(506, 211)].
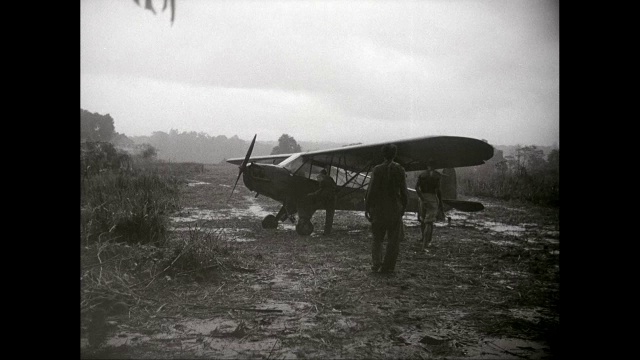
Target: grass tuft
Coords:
[(127, 207)]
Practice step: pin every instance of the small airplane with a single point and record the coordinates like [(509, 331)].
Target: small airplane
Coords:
[(288, 178)]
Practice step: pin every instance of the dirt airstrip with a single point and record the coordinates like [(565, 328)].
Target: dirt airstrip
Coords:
[(487, 289)]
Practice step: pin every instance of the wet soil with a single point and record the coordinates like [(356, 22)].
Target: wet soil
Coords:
[(488, 288)]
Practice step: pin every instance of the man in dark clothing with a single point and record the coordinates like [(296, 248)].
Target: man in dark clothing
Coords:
[(385, 204), (431, 208), (325, 197)]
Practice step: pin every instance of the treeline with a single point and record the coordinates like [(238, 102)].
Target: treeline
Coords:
[(200, 147), (191, 146), (526, 174), (523, 173), (120, 198), (102, 147)]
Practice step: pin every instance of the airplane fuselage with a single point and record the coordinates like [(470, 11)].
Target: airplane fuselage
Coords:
[(278, 183)]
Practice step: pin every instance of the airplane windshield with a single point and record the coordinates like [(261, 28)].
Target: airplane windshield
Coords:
[(293, 164), (287, 163)]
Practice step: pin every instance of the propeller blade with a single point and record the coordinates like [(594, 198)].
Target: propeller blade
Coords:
[(234, 185), (243, 166), (246, 158)]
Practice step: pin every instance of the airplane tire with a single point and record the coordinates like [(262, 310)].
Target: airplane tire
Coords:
[(269, 222), (304, 227)]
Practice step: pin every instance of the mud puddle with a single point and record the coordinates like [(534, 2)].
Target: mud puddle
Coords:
[(192, 218), (206, 218), (222, 233), (196, 183), (215, 338)]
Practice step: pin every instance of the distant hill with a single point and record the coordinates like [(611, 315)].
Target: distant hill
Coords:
[(204, 148)]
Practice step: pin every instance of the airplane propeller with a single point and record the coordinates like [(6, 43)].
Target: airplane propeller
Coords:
[(243, 166)]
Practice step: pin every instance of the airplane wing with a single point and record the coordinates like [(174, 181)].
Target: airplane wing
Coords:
[(264, 159), (413, 154)]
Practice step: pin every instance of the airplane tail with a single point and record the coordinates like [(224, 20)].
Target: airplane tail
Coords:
[(449, 189)]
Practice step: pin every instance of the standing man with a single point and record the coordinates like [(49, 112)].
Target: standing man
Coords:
[(385, 204), (430, 195), (325, 197)]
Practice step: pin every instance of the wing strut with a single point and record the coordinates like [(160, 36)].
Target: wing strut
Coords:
[(368, 167)]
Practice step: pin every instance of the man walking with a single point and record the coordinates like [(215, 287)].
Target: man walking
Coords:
[(325, 197), (431, 208), (385, 204)]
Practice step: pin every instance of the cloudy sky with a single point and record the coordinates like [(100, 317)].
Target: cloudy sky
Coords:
[(344, 71)]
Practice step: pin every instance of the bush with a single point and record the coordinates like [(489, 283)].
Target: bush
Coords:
[(97, 157), (539, 188), (127, 207), (525, 176)]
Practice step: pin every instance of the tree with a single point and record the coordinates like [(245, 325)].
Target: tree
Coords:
[(147, 151), (148, 5), (97, 156), (286, 145), (532, 158), (553, 159), (122, 141), (96, 127)]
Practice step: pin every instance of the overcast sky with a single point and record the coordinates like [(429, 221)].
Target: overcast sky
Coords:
[(344, 71)]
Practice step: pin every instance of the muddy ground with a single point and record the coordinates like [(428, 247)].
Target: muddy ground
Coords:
[(488, 288)]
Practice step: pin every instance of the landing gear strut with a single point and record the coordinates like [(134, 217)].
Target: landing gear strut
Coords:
[(305, 212), (303, 226)]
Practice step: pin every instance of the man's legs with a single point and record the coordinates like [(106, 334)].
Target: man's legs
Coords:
[(433, 226), (430, 210), (378, 228), (421, 213), (427, 235), (393, 246), (328, 222)]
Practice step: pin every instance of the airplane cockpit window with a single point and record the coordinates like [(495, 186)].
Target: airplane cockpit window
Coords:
[(350, 178), (298, 166), (308, 170)]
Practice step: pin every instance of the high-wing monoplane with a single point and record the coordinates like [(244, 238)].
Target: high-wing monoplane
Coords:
[(288, 178)]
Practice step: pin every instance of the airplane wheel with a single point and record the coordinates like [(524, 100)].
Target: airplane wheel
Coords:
[(304, 227), (269, 222)]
